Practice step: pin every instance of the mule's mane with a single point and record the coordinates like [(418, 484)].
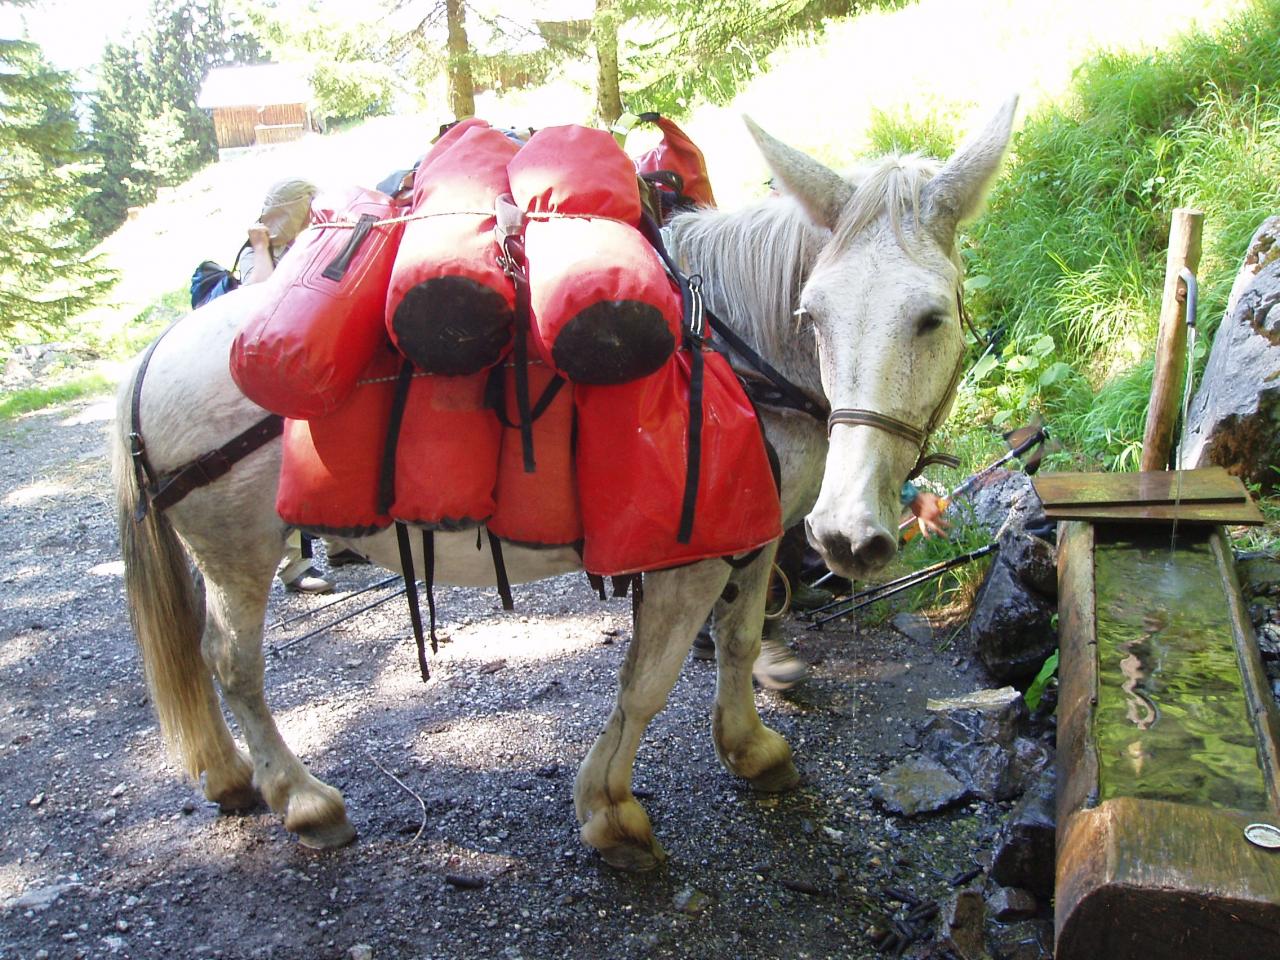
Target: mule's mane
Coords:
[(755, 261)]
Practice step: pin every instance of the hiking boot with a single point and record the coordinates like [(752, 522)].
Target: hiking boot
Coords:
[(777, 668), (704, 647), (346, 558), (308, 581), (805, 597)]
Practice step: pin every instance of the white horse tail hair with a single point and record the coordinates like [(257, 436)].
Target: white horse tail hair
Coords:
[(166, 609)]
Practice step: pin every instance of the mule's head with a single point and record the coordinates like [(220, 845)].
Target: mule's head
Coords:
[(883, 300)]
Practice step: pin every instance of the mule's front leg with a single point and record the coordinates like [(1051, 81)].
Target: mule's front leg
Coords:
[(232, 645), (745, 745), (676, 603)]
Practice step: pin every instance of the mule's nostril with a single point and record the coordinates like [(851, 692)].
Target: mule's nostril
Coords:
[(875, 551), (839, 551)]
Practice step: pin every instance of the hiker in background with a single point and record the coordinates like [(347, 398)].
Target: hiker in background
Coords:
[(286, 212)]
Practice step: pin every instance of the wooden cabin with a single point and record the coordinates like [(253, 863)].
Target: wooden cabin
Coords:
[(256, 105)]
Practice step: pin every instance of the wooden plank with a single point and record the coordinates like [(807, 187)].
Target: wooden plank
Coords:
[(1204, 485), (1244, 514), (1077, 759), (1151, 880)]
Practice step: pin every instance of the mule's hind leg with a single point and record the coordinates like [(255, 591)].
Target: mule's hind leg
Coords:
[(675, 604), (236, 603), (745, 745)]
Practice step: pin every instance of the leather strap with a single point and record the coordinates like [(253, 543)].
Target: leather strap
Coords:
[(208, 467)]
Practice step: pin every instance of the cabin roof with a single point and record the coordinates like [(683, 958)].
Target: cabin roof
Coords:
[(260, 85)]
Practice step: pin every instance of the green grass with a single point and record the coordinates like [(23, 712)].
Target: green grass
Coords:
[(111, 353)]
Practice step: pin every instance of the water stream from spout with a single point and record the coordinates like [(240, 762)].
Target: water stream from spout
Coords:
[(1189, 279)]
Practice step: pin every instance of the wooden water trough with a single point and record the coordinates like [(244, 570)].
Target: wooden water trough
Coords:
[(1167, 732)]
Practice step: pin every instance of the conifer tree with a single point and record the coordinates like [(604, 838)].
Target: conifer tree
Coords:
[(47, 271)]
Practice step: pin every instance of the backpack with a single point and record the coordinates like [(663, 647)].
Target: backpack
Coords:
[(211, 280)]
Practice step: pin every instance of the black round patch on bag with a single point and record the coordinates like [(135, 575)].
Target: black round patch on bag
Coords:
[(613, 341), (452, 326)]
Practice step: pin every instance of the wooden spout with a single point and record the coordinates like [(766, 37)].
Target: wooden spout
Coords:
[(1171, 345)]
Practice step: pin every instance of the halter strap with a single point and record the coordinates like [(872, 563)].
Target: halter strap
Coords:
[(918, 437)]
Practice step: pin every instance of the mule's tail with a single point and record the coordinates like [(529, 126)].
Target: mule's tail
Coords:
[(165, 608)]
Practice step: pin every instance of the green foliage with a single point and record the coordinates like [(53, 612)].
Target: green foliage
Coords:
[(146, 125), (682, 51), (47, 272), (1035, 692), (352, 90), (350, 61), (933, 135), (1074, 241), (37, 398)]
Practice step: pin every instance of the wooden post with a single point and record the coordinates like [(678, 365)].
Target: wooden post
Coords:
[(1171, 345)]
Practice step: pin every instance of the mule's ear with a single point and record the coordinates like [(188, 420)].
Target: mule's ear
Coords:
[(822, 192), (957, 192)]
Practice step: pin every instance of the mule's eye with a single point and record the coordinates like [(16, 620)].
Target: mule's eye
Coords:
[(929, 322)]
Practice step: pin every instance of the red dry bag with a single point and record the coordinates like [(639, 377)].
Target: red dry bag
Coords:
[(300, 352), (604, 310), (449, 305), (677, 154), (633, 460), (446, 452), (329, 475), (538, 508)]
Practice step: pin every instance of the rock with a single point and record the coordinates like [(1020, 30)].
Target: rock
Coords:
[(691, 901), (1025, 940), (914, 626), (920, 785), (1007, 497), (1035, 561), (1260, 576), (1011, 626), (961, 925), (1232, 421), (977, 738), (40, 898), (1024, 851), (1011, 903), (360, 951)]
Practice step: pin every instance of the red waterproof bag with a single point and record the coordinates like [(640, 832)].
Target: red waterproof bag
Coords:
[(299, 354), (446, 456), (329, 475), (603, 308), (538, 508), (449, 305), (680, 155), (633, 446)]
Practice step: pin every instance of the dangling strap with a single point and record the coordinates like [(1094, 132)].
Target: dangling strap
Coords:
[(429, 579), (500, 573), (387, 477), (411, 593)]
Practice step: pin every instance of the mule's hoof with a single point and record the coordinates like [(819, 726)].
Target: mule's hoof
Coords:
[(779, 778), (634, 859), (239, 800), (328, 837)]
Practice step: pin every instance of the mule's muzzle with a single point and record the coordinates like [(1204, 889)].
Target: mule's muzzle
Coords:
[(854, 555)]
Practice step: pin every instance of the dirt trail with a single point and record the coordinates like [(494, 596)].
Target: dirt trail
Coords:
[(114, 855)]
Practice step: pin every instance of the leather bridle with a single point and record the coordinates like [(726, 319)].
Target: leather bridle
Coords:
[(917, 436)]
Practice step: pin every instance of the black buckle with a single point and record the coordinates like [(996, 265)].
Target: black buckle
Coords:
[(210, 466), (695, 311)]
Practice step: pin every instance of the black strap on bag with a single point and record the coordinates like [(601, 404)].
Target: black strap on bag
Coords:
[(337, 268), (387, 475), (516, 268)]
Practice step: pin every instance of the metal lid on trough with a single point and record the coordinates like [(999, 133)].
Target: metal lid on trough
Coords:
[(1207, 495)]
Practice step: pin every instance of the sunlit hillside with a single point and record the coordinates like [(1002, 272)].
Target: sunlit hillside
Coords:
[(943, 57)]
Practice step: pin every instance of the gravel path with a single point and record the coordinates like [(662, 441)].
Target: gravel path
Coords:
[(460, 788)]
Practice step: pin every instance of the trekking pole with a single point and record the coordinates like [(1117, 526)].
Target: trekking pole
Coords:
[(886, 590), (284, 622), (280, 647), (908, 579)]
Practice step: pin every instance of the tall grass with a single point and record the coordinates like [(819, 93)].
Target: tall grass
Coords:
[(1074, 240)]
